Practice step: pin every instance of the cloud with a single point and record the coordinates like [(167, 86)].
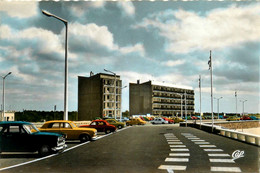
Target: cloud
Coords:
[(135, 48), (187, 31), (78, 9), (127, 7), (172, 63), (19, 9)]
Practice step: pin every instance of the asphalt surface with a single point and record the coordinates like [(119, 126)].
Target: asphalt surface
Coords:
[(148, 149)]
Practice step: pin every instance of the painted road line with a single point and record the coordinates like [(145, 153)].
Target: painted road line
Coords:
[(222, 160), (201, 142), (219, 155), (175, 143), (178, 146), (179, 149), (179, 154), (209, 150), (225, 169), (193, 138), (176, 160), (173, 140), (210, 146), (198, 140), (173, 167)]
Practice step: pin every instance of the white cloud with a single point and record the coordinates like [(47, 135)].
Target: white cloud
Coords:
[(93, 33), (218, 29), (172, 63), (136, 48), (23, 9), (78, 9), (127, 7)]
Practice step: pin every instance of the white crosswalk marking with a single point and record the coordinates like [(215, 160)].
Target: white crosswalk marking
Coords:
[(219, 155), (201, 142), (225, 169), (180, 149), (175, 143), (209, 150), (179, 154), (173, 140), (222, 160), (210, 146), (178, 146), (173, 167), (198, 140), (194, 138), (176, 160)]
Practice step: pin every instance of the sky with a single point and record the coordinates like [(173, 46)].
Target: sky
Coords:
[(161, 41)]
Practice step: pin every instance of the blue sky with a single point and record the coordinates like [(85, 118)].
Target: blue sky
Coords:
[(162, 41)]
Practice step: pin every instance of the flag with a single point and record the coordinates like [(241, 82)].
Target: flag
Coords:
[(209, 62), (235, 93), (199, 82)]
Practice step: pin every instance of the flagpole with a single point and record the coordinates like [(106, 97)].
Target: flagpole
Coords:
[(200, 99), (212, 116)]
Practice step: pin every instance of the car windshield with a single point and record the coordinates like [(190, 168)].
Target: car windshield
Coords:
[(30, 128)]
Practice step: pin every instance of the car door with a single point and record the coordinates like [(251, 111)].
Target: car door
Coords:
[(15, 139), (66, 128)]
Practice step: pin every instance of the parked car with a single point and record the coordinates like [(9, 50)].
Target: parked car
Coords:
[(245, 118), (159, 121), (177, 120), (20, 136), (72, 131), (100, 126), (170, 121), (254, 118), (135, 121), (232, 118), (116, 123)]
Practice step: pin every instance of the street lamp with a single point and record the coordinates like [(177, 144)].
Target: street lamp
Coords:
[(3, 99), (65, 116), (114, 90), (181, 102), (218, 104), (121, 104), (243, 102)]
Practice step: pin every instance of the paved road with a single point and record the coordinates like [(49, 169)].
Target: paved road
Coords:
[(152, 148)]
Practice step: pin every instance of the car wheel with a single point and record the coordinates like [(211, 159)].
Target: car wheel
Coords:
[(127, 124), (119, 127), (84, 138), (163, 123), (153, 123), (107, 131), (44, 150)]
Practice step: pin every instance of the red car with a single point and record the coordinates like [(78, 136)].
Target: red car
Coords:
[(101, 126), (169, 120), (245, 118)]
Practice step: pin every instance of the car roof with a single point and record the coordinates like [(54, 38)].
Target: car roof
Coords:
[(58, 121), (99, 120), (14, 122)]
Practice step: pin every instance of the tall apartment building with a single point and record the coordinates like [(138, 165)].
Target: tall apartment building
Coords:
[(99, 96), (148, 98)]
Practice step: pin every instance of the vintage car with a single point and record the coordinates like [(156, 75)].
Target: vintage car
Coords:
[(20, 136), (232, 118), (72, 131), (177, 120), (135, 121), (101, 126), (116, 123), (159, 121), (170, 121)]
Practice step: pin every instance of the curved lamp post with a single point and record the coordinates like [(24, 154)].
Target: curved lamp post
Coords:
[(65, 116), (3, 99)]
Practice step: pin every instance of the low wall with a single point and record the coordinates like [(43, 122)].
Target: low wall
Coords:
[(239, 124)]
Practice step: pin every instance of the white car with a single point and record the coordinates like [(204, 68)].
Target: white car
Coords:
[(159, 121)]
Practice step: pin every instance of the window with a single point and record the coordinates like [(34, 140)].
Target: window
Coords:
[(93, 124), (66, 125)]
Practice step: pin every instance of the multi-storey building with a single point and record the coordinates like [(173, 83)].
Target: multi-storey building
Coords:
[(99, 96), (154, 99)]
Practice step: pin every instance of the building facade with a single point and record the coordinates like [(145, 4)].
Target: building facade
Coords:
[(160, 100), (99, 96)]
